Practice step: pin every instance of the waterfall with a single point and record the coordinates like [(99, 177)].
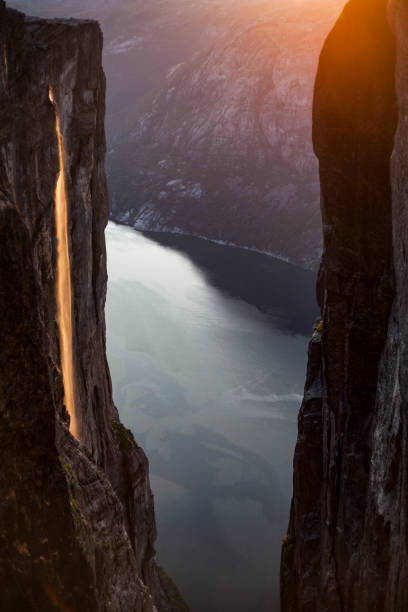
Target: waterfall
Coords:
[(63, 285)]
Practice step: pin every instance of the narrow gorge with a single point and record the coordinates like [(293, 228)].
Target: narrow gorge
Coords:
[(346, 547), (77, 518), (77, 525)]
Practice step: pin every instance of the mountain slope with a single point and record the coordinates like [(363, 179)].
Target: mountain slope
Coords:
[(224, 149), (209, 116), (143, 40)]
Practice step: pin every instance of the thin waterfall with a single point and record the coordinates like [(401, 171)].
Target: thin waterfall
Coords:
[(63, 286)]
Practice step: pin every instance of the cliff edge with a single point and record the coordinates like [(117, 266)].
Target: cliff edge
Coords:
[(346, 547), (77, 526)]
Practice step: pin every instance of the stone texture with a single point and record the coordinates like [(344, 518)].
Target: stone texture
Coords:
[(77, 525), (346, 543), (42, 566)]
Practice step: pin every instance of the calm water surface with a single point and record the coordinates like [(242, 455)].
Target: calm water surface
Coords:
[(210, 385)]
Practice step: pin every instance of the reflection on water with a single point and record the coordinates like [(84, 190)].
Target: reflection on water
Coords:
[(211, 387)]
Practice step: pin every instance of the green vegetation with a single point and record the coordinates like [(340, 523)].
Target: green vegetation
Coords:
[(172, 592), (288, 548), (318, 329), (75, 506), (288, 572), (76, 511), (124, 436), (67, 468)]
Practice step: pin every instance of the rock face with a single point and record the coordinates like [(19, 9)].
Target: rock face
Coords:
[(224, 149), (77, 526), (346, 548)]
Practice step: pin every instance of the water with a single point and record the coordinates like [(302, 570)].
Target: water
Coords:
[(211, 386)]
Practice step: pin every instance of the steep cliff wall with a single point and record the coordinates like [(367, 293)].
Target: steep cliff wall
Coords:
[(77, 526), (346, 548)]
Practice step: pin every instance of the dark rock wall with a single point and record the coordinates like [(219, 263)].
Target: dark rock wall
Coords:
[(387, 510), (77, 526), (346, 544), (42, 566)]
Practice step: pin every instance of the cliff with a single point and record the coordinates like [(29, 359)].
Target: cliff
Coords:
[(77, 526), (346, 548)]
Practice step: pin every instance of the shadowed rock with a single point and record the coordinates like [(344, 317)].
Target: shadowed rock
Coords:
[(345, 548), (77, 526)]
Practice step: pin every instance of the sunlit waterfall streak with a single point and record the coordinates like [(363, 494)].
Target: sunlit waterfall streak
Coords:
[(63, 288)]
